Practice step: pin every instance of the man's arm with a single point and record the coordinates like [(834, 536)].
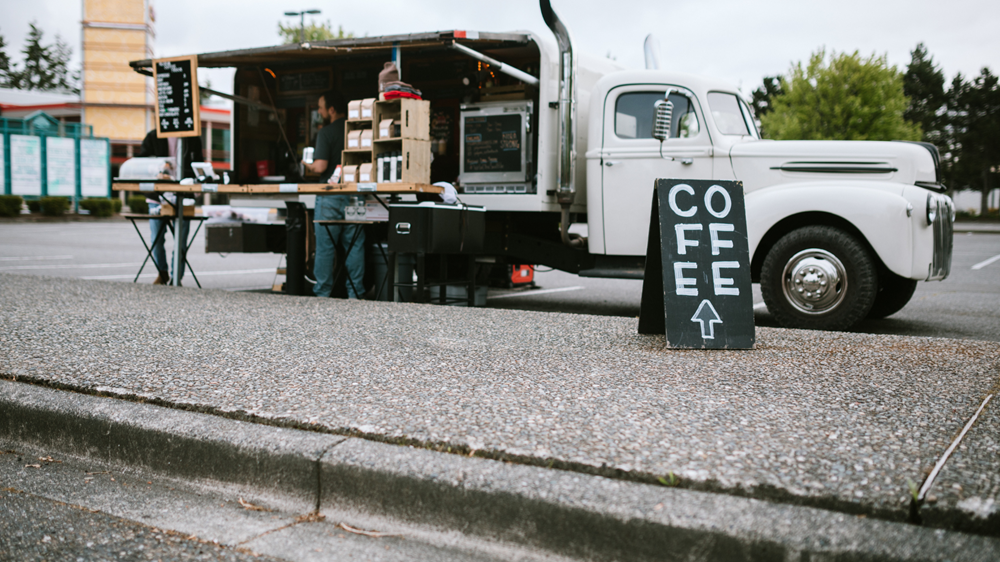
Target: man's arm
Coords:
[(318, 166)]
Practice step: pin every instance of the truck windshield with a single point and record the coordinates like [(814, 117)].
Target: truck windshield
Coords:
[(731, 115), (635, 113)]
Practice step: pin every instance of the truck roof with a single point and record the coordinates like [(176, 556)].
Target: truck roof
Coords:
[(377, 46)]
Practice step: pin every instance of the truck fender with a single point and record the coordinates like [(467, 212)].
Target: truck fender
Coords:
[(879, 215)]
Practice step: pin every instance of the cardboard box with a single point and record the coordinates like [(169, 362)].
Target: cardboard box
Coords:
[(167, 210), (365, 172), (388, 128), (353, 140), (354, 109), (366, 138), (366, 108), (350, 174)]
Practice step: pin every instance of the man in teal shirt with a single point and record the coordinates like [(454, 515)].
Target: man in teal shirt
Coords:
[(326, 158)]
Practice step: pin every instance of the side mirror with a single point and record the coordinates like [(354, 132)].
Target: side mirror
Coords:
[(664, 115)]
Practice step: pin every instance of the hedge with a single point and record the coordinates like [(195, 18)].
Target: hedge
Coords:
[(137, 203), (10, 205), (98, 207), (54, 206)]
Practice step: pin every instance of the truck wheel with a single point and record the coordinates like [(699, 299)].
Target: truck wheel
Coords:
[(820, 278), (892, 295)]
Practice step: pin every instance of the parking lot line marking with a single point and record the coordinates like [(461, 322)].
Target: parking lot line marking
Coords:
[(198, 273), (983, 264), (68, 266), (530, 293), (760, 306), (34, 258)]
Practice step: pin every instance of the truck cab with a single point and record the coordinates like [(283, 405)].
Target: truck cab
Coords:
[(867, 219)]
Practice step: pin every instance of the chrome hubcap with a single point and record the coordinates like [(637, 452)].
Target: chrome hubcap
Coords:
[(814, 281)]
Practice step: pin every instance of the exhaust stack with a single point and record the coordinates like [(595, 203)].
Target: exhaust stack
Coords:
[(567, 106), (566, 190), (651, 48)]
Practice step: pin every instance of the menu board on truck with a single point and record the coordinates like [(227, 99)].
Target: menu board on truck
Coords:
[(25, 165), (60, 160), (178, 110), (94, 164)]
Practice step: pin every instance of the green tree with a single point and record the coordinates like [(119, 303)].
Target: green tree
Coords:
[(974, 119), (45, 67), (314, 32), (849, 98)]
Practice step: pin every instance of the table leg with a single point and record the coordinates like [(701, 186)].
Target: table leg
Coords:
[(149, 250), (187, 246), (178, 244)]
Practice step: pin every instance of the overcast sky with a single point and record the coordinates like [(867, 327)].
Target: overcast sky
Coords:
[(735, 40)]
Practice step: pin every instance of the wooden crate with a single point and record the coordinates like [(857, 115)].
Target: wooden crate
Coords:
[(414, 117), (416, 157)]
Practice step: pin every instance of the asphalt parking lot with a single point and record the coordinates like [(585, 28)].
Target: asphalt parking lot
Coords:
[(965, 306)]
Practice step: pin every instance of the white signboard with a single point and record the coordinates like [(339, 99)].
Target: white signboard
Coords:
[(3, 174), (94, 168), (25, 165), (60, 156)]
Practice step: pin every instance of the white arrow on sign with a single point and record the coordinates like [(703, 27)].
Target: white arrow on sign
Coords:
[(708, 317)]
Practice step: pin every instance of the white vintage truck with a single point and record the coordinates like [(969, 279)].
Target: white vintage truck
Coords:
[(838, 231)]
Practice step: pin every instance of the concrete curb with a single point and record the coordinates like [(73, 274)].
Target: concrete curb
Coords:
[(565, 513)]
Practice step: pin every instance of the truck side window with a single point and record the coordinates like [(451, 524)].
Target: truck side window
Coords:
[(634, 115), (730, 115)]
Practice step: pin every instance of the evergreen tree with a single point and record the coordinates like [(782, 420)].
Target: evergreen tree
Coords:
[(45, 67), (59, 67), (974, 116), (34, 73), (5, 68), (849, 98), (762, 98), (924, 84)]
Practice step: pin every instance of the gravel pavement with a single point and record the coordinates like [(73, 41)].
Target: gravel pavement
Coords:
[(843, 421)]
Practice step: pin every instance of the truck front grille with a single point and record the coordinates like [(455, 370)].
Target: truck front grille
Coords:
[(943, 239)]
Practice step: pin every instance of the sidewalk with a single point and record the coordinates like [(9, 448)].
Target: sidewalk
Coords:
[(978, 227), (842, 422)]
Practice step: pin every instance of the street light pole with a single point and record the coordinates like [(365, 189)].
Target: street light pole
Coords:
[(302, 22)]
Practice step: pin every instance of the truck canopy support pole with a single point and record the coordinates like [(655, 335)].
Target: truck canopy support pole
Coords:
[(502, 67)]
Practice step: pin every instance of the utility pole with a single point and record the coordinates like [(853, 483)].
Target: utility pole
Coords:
[(302, 22)]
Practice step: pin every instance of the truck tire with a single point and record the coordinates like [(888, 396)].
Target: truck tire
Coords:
[(820, 278), (892, 295)]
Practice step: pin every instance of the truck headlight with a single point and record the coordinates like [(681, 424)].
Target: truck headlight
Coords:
[(932, 209)]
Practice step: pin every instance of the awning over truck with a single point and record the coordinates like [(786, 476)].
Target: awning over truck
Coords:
[(307, 53)]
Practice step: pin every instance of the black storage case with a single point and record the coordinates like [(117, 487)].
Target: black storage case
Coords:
[(436, 228), (244, 238)]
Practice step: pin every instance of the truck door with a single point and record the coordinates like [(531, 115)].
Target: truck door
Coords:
[(632, 160)]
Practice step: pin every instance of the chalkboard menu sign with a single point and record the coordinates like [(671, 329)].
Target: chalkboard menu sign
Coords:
[(493, 143), (177, 105), (311, 81)]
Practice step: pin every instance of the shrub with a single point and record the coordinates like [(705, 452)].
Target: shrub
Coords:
[(98, 207), (137, 203), (54, 206), (34, 206), (10, 205), (116, 205)]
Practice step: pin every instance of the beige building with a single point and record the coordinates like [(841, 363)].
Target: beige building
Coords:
[(115, 100)]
